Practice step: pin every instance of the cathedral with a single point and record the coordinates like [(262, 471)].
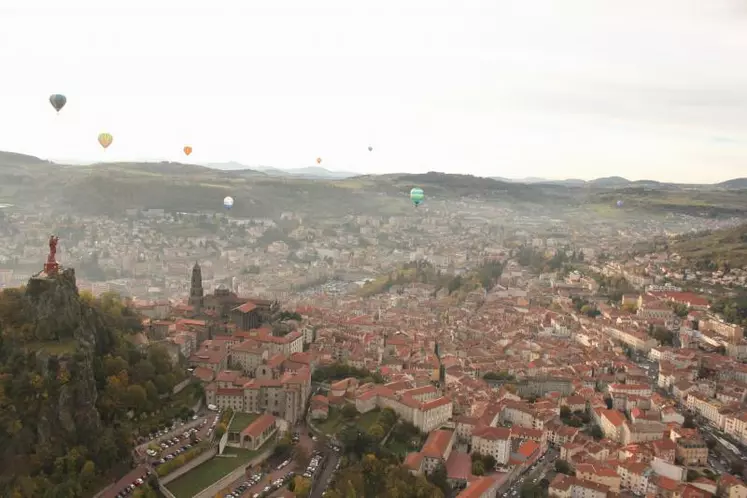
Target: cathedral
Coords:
[(225, 305)]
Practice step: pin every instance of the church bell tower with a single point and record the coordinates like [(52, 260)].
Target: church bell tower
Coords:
[(195, 289)]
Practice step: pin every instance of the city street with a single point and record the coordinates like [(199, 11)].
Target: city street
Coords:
[(323, 478), (127, 480), (544, 469)]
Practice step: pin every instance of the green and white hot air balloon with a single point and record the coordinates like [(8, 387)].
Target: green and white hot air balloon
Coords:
[(417, 196)]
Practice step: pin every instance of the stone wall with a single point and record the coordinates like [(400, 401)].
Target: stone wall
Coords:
[(180, 386), (226, 481), (202, 458)]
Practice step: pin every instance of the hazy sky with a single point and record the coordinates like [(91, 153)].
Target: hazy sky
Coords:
[(553, 88)]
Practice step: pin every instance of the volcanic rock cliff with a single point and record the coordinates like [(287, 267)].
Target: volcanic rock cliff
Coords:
[(59, 314)]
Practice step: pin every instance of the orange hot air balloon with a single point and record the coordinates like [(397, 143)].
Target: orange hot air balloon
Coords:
[(105, 139), (319, 160), (187, 150)]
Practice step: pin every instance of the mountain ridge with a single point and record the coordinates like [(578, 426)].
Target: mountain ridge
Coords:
[(317, 172)]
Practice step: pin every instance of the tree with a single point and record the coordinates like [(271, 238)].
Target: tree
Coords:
[(302, 486), (565, 412), (439, 478), (563, 467), (529, 490), (136, 397), (478, 467), (737, 467), (145, 491), (596, 432), (689, 422), (377, 432), (220, 430), (87, 473), (349, 411)]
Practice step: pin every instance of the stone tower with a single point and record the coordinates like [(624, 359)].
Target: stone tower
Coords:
[(195, 289)]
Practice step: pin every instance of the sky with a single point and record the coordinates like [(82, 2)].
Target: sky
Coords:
[(651, 89)]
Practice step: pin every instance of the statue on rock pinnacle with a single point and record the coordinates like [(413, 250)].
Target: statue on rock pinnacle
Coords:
[(51, 267)]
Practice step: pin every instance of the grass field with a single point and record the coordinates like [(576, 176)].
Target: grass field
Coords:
[(211, 471), (333, 423), (55, 347), (366, 420), (241, 420)]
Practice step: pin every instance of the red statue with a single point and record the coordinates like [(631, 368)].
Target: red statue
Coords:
[(51, 266)]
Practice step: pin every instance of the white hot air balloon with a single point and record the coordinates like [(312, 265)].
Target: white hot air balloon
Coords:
[(228, 202)]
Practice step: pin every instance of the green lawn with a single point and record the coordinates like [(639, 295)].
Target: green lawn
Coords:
[(366, 420), (67, 346), (209, 472), (333, 423), (241, 420), (398, 447)]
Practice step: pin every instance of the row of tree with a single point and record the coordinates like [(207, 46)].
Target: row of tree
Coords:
[(339, 371)]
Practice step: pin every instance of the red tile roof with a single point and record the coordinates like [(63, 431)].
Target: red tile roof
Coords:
[(259, 425)]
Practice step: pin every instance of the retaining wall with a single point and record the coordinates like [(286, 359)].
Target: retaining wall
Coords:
[(202, 458)]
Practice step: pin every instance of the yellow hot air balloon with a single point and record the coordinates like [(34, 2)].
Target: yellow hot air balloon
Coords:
[(105, 139), (187, 150)]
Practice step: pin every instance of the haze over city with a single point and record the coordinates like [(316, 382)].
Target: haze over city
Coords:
[(641, 89)]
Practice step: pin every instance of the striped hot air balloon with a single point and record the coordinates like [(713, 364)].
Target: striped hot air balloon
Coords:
[(105, 139)]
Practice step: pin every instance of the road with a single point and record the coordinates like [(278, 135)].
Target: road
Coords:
[(120, 485), (323, 478), (545, 469)]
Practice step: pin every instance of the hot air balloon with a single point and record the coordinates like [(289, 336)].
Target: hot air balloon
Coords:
[(105, 139), (319, 160), (58, 101), (370, 148), (187, 149), (228, 202), (417, 196), (619, 203)]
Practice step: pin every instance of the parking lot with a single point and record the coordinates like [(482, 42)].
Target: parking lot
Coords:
[(168, 447), (267, 484)]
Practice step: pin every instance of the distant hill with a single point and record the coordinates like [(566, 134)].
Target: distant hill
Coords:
[(10, 158), (710, 250), (610, 181), (111, 188), (736, 183), (312, 172)]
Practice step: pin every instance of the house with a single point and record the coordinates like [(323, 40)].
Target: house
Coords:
[(482, 487), (258, 432), (319, 407)]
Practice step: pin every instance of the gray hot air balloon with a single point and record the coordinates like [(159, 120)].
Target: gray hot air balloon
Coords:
[(58, 101)]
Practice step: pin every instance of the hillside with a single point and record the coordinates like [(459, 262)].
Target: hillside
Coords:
[(68, 377), (718, 249), (111, 188)]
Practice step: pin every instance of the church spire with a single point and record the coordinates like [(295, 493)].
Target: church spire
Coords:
[(196, 292)]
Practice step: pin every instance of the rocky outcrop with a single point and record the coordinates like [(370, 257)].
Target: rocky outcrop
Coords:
[(59, 315)]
